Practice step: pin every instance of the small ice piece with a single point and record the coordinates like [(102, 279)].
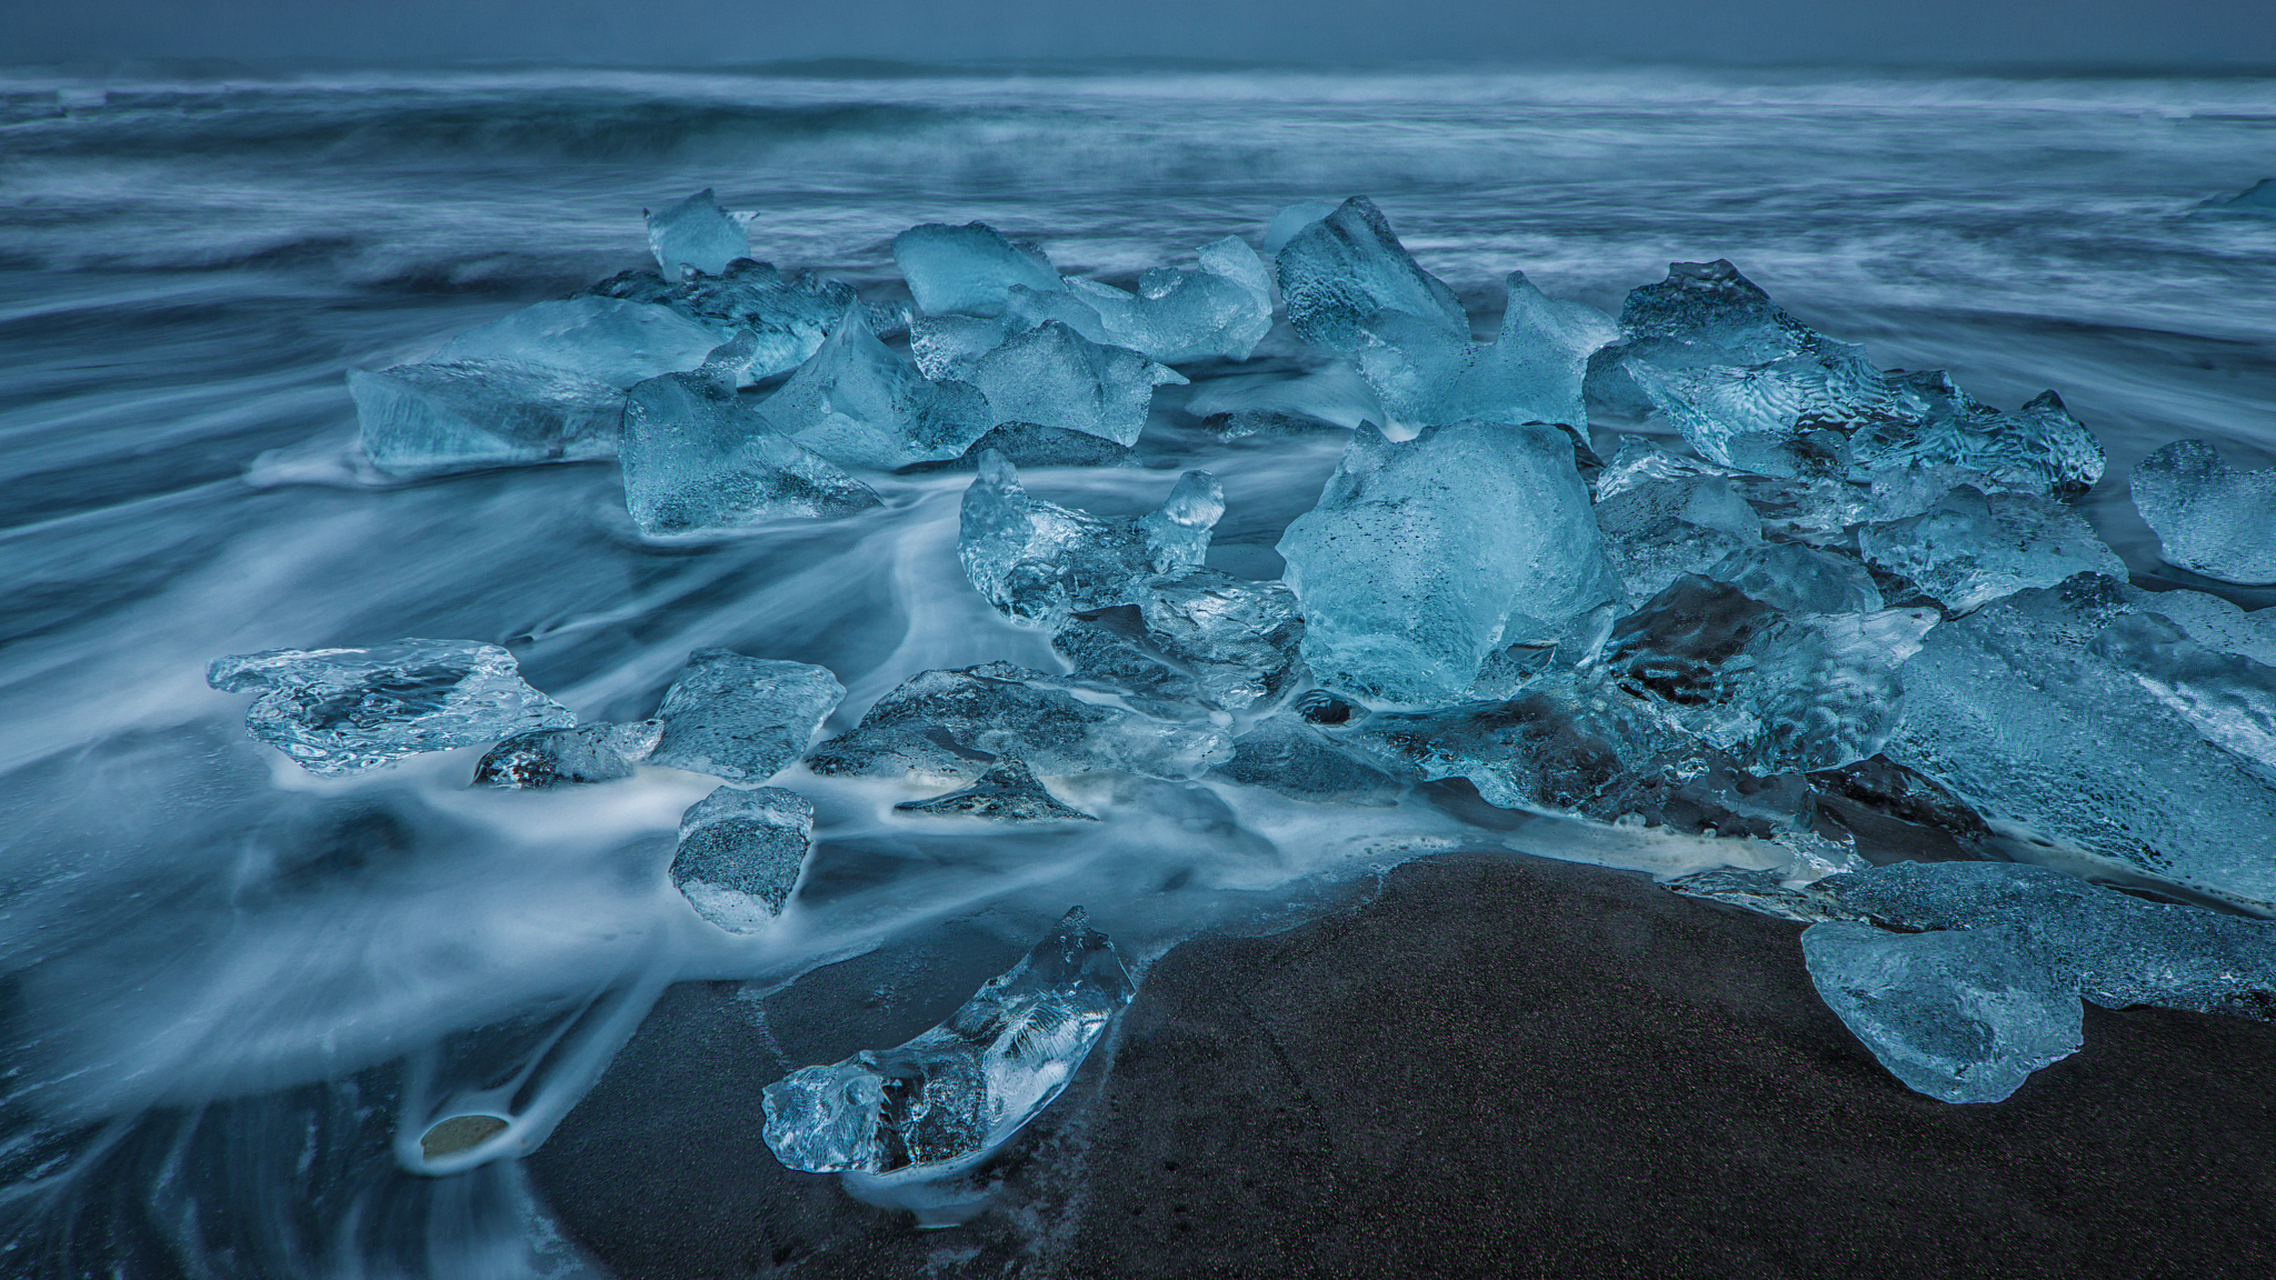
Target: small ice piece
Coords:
[(955, 725), (1282, 753), (1008, 792), (424, 419), (1040, 561), (698, 459), (1659, 530), (740, 853), (743, 719), (1220, 311), (791, 314), (697, 233), (1424, 374), (968, 269), (1340, 273), (1423, 559), (1054, 375), (1972, 548), (946, 347), (1963, 1015), (857, 403), (1240, 424), (2038, 449), (560, 757), (2209, 517), (1792, 578), (608, 339), (336, 711), (949, 1098), (2070, 720)]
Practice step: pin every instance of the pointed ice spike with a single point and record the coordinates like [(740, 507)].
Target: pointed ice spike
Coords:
[(1338, 273), (1040, 561), (1009, 792)]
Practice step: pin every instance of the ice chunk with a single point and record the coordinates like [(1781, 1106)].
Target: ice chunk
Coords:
[(743, 719), (790, 314), (1040, 561), (698, 459), (1425, 374), (1289, 221), (335, 711), (1339, 273), (1026, 444), (855, 402), (697, 233), (1972, 548), (607, 339), (2067, 718), (956, 724), (2209, 517), (2213, 622), (420, 419), (1639, 462), (2038, 449), (1660, 530), (1792, 578), (1282, 753), (1197, 639), (968, 269), (1240, 424), (1221, 310), (1007, 792), (956, 1093), (1424, 559), (1781, 418), (1960, 1015), (1054, 375), (557, 757), (740, 852)]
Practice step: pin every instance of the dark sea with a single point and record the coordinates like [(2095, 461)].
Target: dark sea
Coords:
[(232, 985)]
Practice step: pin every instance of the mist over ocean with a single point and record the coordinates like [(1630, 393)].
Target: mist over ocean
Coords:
[(230, 980)]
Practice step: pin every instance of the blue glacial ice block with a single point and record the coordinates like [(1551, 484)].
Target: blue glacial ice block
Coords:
[(698, 459), (545, 758), (1962, 1015), (2213, 622), (1286, 224), (967, 270), (696, 233), (1054, 375), (743, 719), (1424, 373), (857, 403), (1339, 273), (1639, 462), (1424, 559), (1282, 753), (948, 1098), (1007, 792), (1972, 548), (607, 339), (427, 419), (1198, 639), (1661, 529), (790, 314), (1219, 311), (2068, 717), (337, 711), (2039, 449), (1792, 578), (955, 725), (740, 853), (1040, 561), (2209, 517)]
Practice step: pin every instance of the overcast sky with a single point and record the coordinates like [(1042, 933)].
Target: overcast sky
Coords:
[(2125, 32)]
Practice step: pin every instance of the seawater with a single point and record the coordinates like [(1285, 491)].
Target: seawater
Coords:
[(234, 987)]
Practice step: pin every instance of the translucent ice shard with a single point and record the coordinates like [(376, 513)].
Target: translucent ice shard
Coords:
[(2213, 622), (1961, 1015), (1052, 374), (743, 719), (789, 314), (2068, 718), (1793, 578), (855, 402), (1972, 548), (1007, 792), (1040, 561), (2209, 518), (1424, 373), (559, 757), (957, 724), (426, 418), (947, 1099), (696, 233), (1222, 310), (336, 711), (1339, 273), (1660, 530), (607, 339), (1639, 462), (740, 852), (1282, 753), (2039, 449), (698, 459), (968, 269), (1198, 639), (1424, 559)]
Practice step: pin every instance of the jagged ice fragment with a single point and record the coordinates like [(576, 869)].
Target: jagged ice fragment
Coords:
[(559, 757), (743, 719), (1040, 561), (857, 403), (696, 233), (420, 419), (968, 269), (1971, 548), (1007, 792), (1339, 273), (607, 339)]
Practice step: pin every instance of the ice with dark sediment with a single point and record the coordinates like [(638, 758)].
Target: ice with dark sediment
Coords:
[(790, 314), (1342, 272), (968, 270), (563, 757), (1008, 792), (607, 339), (1049, 374), (696, 233), (1661, 529), (1971, 548), (1283, 753), (2071, 719), (1422, 373), (2209, 517), (1424, 559), (741, 718), (419, 419), (1220, 310), (948, 1098), (957, 724), (1040, 561), (740, 852), (337, 711), (1196, 640), (2039, 448), (698, 458), (855, 402)]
